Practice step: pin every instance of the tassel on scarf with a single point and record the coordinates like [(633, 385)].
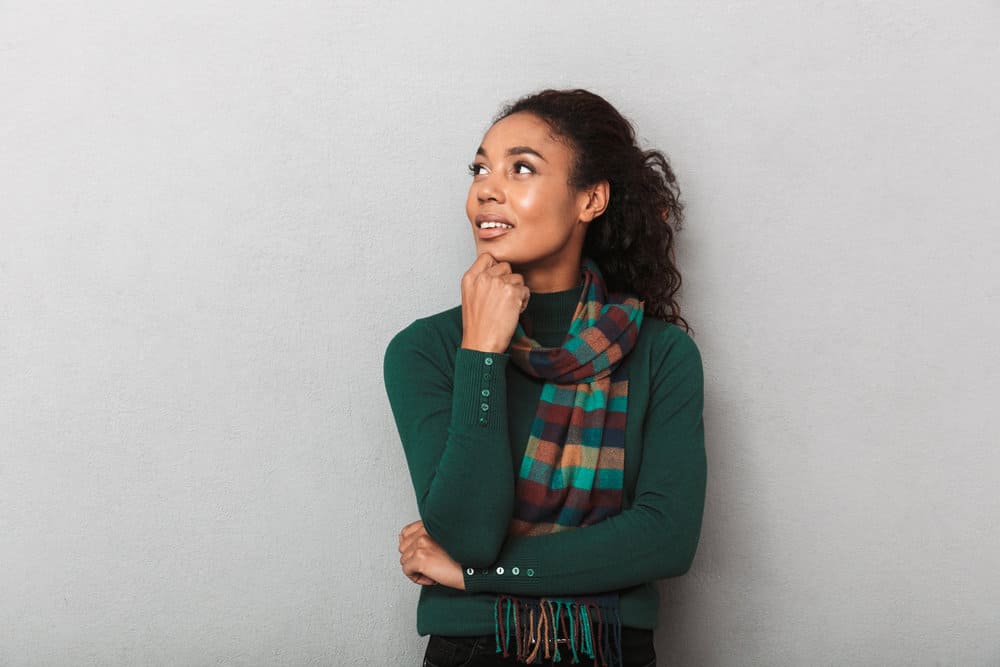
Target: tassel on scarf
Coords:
[(553, 628)]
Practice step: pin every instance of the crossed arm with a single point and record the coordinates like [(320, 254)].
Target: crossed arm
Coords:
[(655, 537)]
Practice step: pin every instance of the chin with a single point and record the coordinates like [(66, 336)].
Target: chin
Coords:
[(510, 251), (499, 253), (495, 249)]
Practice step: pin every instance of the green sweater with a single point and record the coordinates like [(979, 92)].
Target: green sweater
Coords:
[(464, 418)]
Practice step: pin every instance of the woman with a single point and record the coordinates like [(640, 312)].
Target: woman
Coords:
[(552, 424)]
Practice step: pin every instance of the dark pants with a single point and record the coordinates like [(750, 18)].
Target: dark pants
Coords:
[(637, 651)]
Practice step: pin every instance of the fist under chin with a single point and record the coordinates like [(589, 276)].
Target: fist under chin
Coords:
[(497, 253)]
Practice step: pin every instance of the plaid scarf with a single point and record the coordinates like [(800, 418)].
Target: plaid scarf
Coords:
[(573, 468)]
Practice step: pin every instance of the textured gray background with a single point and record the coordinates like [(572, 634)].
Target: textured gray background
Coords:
[(214, 215)]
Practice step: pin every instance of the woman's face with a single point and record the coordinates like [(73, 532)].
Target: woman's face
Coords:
[(521, 206)]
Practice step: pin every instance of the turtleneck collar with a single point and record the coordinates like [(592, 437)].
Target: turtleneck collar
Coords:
[(550, 314)]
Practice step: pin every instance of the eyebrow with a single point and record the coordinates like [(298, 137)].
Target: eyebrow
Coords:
[(516, 150)]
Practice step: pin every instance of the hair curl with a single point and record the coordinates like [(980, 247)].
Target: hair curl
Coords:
[(633, 240)]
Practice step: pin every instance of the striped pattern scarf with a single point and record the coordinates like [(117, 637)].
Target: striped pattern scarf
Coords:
[(573, 468)]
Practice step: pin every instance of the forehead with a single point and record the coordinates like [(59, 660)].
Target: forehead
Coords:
[(523, 129)]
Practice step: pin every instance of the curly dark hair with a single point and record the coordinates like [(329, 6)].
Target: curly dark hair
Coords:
[(633, 240)]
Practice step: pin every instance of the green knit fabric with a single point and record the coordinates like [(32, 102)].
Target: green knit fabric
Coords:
[(464, 419)]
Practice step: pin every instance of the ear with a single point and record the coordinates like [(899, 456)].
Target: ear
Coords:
[(594, 200)]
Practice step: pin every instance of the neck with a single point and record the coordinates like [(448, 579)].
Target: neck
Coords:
[(543, 279), (549, 314)]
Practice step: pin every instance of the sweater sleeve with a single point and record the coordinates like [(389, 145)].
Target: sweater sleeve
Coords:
[(452, 421), (654, 538)]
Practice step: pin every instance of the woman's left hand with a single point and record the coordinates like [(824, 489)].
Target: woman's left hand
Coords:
[(424, 561)]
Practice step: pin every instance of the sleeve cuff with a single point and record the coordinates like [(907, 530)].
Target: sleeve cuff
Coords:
[(479, 395), (508, 578)]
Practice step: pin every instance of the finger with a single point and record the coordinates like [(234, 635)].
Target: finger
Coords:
[(411, 542), (423, 581), (407, 543), (410, 528), (411, 570), (410, 562), (524, 299), (483, 261), (414, 551), (414, 525), (499, 269), (513, 279)]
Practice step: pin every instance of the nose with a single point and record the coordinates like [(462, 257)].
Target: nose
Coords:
[(489, 188)]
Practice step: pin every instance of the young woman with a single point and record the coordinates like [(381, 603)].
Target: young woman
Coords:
[(552, 423)]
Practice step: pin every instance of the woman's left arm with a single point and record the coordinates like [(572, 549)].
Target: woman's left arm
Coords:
[(653, 539)]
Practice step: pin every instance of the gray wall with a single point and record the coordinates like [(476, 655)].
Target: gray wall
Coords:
[(214, 215)]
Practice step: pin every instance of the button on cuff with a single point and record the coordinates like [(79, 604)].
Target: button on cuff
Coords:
[(515, 579), (479, 391)]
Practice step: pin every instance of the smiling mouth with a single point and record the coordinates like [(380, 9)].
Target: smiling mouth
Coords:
[(492, 221), (491, 226)]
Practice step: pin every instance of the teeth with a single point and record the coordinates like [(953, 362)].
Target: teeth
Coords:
[(489, 224)]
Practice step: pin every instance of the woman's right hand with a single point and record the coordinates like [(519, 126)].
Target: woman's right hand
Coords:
[(493, 297)]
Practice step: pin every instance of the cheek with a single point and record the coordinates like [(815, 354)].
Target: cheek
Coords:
[(546, 207), (532, 204)]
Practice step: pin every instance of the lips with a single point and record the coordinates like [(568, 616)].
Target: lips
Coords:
[(492, 225)]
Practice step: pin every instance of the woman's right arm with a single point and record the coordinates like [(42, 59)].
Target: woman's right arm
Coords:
[(450, 407), (453, 426)]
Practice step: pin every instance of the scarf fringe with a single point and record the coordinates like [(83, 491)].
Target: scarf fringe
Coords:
[(586, 627)]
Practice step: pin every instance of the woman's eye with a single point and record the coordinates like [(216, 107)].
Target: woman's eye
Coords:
[(523, 165), (474, 168)]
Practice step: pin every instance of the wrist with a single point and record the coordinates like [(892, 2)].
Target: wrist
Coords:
[(492, 347)]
